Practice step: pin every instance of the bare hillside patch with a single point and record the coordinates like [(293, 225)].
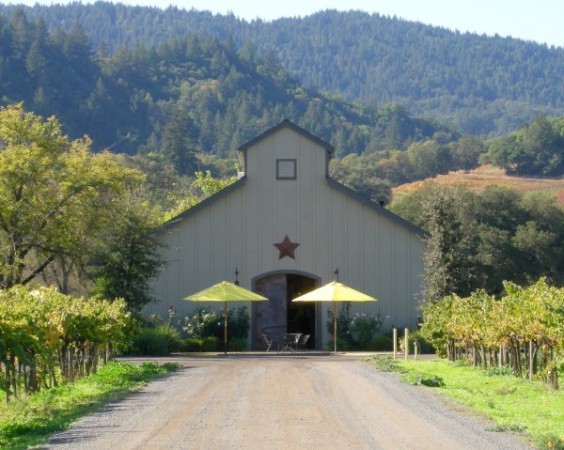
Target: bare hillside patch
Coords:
[(487, 175)]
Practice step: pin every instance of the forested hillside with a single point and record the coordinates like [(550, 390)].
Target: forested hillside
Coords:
[(198, 95), (186, 96), (478, 84)]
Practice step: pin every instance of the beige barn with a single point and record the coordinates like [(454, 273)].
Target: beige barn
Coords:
[(287, 228)]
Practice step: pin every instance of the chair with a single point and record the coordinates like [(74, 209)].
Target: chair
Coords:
[(302, 341), (267, 340), (290, 341)]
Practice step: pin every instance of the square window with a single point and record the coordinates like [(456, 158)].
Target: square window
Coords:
[(286, 169)]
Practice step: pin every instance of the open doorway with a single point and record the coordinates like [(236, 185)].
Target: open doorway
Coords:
[(280, 315), (300, 315)]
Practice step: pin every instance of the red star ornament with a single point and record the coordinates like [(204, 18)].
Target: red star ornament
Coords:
[(286, 248)]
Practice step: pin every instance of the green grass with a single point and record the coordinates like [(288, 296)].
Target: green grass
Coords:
[(514, 404), (24, 423)]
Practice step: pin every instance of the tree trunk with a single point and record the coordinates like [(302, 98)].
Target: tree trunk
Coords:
[(32, 382)]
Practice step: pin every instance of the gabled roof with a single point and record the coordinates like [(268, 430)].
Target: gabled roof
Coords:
[(287, 124), (376, 207), (330, 181), (203, 204)]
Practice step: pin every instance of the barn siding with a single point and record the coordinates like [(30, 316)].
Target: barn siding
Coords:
[(374, 253)]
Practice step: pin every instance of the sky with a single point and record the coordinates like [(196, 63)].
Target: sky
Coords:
[(541, 21)]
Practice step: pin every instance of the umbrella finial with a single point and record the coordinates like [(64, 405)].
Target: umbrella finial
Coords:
[(236, 276), (336, 274)]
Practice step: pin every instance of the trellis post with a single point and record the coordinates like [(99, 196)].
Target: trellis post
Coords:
[(406, 342), (395, 341)]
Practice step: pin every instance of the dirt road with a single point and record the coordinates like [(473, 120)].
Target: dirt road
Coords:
[(324, 402)]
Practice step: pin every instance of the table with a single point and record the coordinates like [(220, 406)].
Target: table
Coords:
[(290, 341)]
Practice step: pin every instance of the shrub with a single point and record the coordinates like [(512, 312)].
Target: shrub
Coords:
[(551, 442), (193, 345), (424, 345), (364, 328), (152, 321), (342, 344), (205, 323), (381, 344), (418, 379), (210, 344), (357, 330), (343, 325), (238, 344), (157, 341), (238, 325)]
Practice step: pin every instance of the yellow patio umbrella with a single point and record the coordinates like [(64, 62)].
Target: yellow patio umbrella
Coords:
[(334, 292), (225, 292)]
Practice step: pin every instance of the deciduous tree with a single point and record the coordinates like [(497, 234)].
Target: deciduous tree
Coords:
[(55, 195)]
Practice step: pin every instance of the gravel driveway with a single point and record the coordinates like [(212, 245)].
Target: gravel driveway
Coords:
[(280, 402)]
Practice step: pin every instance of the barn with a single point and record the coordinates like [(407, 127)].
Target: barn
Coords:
[(284, 228)]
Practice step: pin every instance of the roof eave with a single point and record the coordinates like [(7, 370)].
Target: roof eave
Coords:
[(287, 124), (377, 207), (203, 204)]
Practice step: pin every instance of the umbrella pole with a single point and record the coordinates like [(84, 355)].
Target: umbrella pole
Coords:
[(335, 327), (225, 327)]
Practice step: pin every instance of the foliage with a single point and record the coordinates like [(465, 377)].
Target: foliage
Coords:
[(359, 174), (364, 328), (193, 345), (381, 343), (423, 345), (187, 95), (507, 236), (205, 323), (192, 94), (383, 363), (373, 173), (238, 344), (343, 344), (47, 337), (156, 341), (450, 247), (512, 403), (27, 423), (353, 331), (128, 255), (68, 214), (434, 71), (54, 196), (202, 323), (210, 344), (239, 323), (499, 370), (418, 379), (343, 324), (524, 330), (537, 149), (202, 186), (140, 89)]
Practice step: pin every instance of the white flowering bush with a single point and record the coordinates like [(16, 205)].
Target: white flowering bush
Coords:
[(203, 323)]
